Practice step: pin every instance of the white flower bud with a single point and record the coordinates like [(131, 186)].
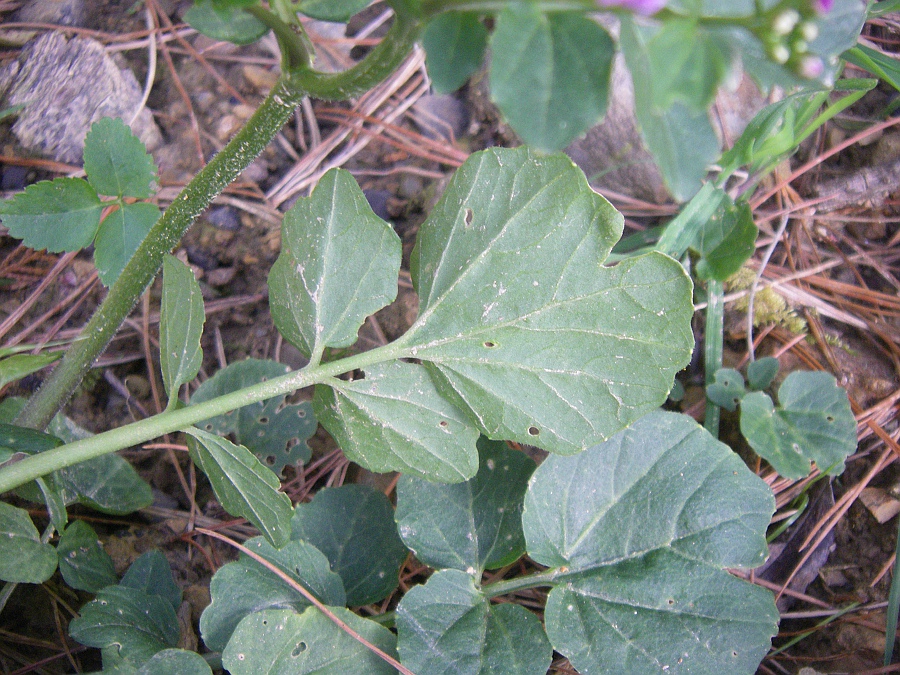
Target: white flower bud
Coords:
[(784, 23), (809, 31), (780, 53)]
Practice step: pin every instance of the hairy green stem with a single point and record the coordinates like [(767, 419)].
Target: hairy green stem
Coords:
[(34, 466), (549, 577), (199, 193)]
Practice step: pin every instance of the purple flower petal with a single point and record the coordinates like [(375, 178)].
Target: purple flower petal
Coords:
[(823, 6)]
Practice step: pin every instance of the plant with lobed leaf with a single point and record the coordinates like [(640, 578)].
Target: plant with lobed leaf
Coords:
[(523, 335)]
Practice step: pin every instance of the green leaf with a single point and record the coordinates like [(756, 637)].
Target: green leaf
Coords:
[(244, 587), (229, 24), (447, 626), (726, 242), (688, 64), (58, 215), (645, 524), (454, 44), (761, 372), (395, 420), (151, 574), (133, 624), (24, 558), (180, 326), (242, 484), (339, 11), (549, 73), (520, 325), (280, 641), (273, 430), (353, 525), (681, 138), (473, 525), (16, 367), (885, 67), (727, 390), (813, 422), (116, 162), (338, 264), (120, 233), (82, 561), (175, 662)]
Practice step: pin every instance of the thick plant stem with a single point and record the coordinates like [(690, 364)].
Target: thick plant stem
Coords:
[(197, 195), (34, 466)]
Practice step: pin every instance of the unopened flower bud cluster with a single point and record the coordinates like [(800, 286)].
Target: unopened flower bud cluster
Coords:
[(787, 32)]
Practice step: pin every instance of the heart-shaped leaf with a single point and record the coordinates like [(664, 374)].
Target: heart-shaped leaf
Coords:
[(549, 73), (813, 422), (225, 23), (473, 525), (275, 431), (727, 390), (353, 525), (151, 574), (280, 641), (645, 524), (395, 420), (761, 372), (134, 624), (58, 215), (116, 162), (244, 587), (338, 264), (448, 626), (180, 326), (520, 325), (82, 561), (24, 558), (243, 486)]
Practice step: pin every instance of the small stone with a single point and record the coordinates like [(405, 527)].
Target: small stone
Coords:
[(65, 86), (226, 127), (880, 504), (224, 217), (260, 78), (441, 116), (221, 276), (62, 12)]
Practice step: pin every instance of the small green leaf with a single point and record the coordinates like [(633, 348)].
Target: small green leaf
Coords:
[(280, 641), (58, 215), (688, 64), (813, 422), (120, 233), (151, 574), (180, 326), (645, 524), (522, 327), (726, 242), (761, 372), (24, 558), (339, 11), (470, 526), (134, 624), (229, 24), (108, 484), (243, 485), (728, 389), (353, 525), (116, 162), (681, 138), (16, 367), (82, 561), (175, 662), (549, 73), (395, 420), (454, 44), (275, 431), (338, 264), (245, 587), (447, 626)]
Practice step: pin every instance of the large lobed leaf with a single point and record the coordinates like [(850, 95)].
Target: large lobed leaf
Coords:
[(353, 526), (520, 325), (645, 524), (338, 264), (469, 526)]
